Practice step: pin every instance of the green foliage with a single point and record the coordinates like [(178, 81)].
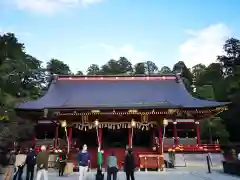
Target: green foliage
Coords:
[(93, 69), (205, 92), (165, 70), (213, 129)]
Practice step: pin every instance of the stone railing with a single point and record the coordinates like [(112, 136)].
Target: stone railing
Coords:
[(187, 141), (168, 141)]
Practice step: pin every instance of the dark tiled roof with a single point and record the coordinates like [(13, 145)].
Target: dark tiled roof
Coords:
[(90, 94)]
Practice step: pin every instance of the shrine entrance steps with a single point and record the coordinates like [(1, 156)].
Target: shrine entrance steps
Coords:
[(181, 159)]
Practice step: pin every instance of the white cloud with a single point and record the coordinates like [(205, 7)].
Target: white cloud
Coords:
[(50, 6), (127, 51), (203, 45)]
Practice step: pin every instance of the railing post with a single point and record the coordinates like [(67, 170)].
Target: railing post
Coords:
[(198, 132), (145, 164)]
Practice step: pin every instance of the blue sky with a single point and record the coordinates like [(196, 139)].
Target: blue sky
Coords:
[(83, 32)]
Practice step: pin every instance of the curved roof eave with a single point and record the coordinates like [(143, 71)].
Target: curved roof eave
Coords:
[(77, 94)]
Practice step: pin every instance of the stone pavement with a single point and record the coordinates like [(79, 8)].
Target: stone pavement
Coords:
[(170, 174)]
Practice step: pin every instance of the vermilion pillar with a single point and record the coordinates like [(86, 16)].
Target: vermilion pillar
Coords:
[(160, 138), (100, 137), (56, 136), (175, 133), (130, 137), (198, 132), (70, 136)]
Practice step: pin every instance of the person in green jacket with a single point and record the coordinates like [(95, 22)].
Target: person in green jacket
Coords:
[(100, 158), (42, 164)]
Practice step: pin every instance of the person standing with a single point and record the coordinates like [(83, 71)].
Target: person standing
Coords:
[(30, 162), (99, 175), (99, 158), (42, 164), (19, 165), (61, 159), (83, 158), (10, 160), (129, 165), (112, 167)]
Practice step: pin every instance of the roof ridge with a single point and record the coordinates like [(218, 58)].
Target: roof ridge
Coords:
[(117, 75)]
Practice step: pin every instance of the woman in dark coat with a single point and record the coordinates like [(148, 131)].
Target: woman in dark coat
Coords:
[(129, 165)]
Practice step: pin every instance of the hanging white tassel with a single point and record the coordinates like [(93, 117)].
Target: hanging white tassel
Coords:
[(68, 143), (131, 138), (98, 137)]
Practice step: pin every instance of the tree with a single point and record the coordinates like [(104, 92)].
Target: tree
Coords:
[(232, 57), (79, 73), (212, 77), (165, 70), (151, 67), (21, 78), (125, 66), (139, 68), (113, 67), (231, 84), (213, 129), (147, 67), (205, 92), (213, 73), (55, 66), (20, 73), (93, 69), (197, 70)]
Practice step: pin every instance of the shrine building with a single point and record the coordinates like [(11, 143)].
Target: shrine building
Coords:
[(145, 112)]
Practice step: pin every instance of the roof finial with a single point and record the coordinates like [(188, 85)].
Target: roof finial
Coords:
[(193, 86), (178, 75), (54, 78)]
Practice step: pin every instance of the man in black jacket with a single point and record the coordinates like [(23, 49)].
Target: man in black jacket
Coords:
[(30, 162), (129, 165)]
